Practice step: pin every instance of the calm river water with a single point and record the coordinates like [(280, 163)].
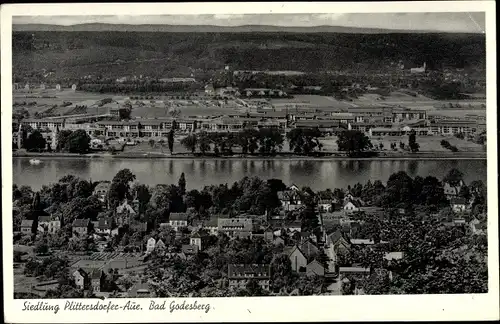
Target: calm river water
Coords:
[(317, 174)]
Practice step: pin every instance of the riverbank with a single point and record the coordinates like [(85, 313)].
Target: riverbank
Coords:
[(282, 156)]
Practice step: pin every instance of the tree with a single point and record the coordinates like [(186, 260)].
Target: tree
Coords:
[(399, 190), (276, 185), (182, 184), (151, 143), (35, 142), (304, 141), (454, 177), (270, 141), (124, 113), (412, 142), (143, 196), (204, 143), (464, 193), (79, 142), (353, 142), (41, 246), (120, 187), (189, 142), (171, 140)]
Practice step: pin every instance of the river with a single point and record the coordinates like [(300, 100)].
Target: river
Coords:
[(317, 174)]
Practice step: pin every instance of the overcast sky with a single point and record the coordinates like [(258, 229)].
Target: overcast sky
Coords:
[(473, 22)]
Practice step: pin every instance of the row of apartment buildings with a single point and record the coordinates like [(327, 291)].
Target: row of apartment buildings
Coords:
[(379, 120)]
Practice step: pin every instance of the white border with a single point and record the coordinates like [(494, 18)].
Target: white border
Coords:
[(322, 308)]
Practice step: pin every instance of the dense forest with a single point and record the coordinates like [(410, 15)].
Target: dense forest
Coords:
[(74, 54)]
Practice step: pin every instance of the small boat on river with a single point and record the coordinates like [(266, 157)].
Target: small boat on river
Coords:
[(35, 161)]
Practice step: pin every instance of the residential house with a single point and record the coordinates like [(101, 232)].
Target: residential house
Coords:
[(315, 268), (478, 227), (352, 206), (325, 206), (178, 220), (278, 241), (309, 249), (104, 226), (240, 274), (160, 246), (197, 239), (458, 205), (452, 191), (44, 221), (297, 258), (97, 278), (335, 243), (54, 224), (393, 256), (348, 197), (27, 227), (81, 278), (101, 190), (294, 187), (140, 227), (150, 245), (189, 249), (362, 242), (81, 227), (124, 214), (290, 199), (210, 225), (140, 290), (268, 234), (236, 227), (294, 226)]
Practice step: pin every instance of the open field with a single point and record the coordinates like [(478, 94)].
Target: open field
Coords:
[(312, 101)]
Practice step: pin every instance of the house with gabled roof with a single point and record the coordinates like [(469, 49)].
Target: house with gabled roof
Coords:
[(452, 190), (209, 225), (458, 204), (240, 274), (325, 205), (81, 227), (101, 190), (97, 278), (351, 206), (290, 199), (104, 225), (315, 268), (150, 245), (478, 227), (160, 246), (81, 278), (297, 258), (309, 250), (278, 241), (189, 249), (140, 290), (236, 227), (27, 227), (178, 220), (293, 226), (55, 223), (125, 214), (198, 238), (336, 243)]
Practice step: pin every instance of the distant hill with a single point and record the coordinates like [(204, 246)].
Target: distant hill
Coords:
[(206, 29), (71, 54)]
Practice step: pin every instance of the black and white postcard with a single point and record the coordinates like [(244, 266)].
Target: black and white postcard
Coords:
[(249, 162)]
